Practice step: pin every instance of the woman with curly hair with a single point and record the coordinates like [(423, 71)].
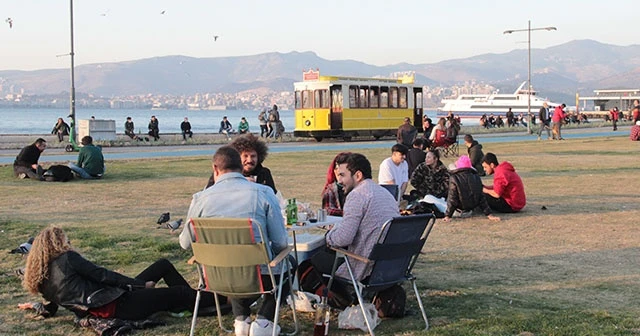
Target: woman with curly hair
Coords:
[(333, 194), (63, 277)]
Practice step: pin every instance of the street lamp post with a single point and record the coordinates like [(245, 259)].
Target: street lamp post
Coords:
[(529, 30)]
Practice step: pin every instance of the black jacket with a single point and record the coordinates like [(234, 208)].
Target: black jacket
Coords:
[(28, 156), (476, 155), (465, 192), (79, 285), (263, 176)]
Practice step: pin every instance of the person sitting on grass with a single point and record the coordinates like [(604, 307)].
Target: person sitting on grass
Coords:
[(465, 191), (431, 177), (64, 278), (26, 163), (507, 192), (635, 132), (90, 160)]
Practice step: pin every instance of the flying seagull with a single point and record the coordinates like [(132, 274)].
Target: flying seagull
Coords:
[(215, 38), (162, 13), (10, 22), (165, 217)]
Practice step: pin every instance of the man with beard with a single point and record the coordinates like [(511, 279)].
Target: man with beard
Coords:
[(26, 163), (367, 207), (252, 151)]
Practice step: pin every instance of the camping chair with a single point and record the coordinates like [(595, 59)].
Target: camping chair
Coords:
[(393, 256), (450, 147), (393, 189), (228, 260)]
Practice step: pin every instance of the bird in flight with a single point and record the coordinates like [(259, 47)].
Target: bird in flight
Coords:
[(162, 13), (215, 38), (10, 22)]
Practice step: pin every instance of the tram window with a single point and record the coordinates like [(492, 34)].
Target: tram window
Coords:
[(373, 96), (364, 96), (307, 99), (353, 96), (298, 99), (384, 97), (321, 99), (393, 101), (403, 97)]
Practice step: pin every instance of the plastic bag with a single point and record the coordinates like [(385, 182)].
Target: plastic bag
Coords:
[(351, 318), (304, 301)]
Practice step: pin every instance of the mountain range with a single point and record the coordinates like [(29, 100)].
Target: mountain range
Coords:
[(558, 72)]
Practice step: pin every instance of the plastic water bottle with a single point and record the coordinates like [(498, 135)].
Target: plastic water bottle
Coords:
[(323, 315)]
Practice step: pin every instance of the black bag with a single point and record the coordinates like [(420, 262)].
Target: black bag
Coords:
[(312, 281), (391, 301), (58, 173)]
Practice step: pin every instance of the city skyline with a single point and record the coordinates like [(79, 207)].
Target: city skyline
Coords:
[(421, 32)]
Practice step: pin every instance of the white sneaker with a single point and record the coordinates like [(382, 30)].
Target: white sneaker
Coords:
[(242, 327), (262, 327)]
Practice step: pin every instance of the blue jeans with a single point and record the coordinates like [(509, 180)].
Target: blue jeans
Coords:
[(83, 173)]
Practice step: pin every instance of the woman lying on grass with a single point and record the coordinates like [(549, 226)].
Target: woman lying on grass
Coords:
[(65, 278)]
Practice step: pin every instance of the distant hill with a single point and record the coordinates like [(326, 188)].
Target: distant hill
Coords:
[(559, 72)]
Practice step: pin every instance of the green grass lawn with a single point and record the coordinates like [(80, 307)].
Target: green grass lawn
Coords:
[(569, 270)]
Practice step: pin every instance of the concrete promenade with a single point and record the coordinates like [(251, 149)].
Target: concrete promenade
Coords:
[(10, 145)]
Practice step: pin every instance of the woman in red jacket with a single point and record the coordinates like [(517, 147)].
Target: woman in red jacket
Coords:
[(558, 119)]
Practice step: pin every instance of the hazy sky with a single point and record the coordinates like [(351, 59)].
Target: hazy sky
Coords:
[(376, 32)]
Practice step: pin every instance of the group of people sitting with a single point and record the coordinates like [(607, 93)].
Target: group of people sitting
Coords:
[(512, 120), (63, 277)]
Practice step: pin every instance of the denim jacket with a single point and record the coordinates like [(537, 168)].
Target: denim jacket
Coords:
[(234, 196)]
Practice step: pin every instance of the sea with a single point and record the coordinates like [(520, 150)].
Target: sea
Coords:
[(42, 120)]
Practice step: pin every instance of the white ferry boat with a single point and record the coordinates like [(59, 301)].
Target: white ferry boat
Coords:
[(475, 105)]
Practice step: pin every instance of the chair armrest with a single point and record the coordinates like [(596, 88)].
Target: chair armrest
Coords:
[(283, 254), (349, 254), (192, 260)]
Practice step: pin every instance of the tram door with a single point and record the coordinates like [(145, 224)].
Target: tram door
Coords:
[(417, 108), (336, 107)]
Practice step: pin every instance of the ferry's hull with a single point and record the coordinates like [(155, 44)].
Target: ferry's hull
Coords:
[(478, 111)]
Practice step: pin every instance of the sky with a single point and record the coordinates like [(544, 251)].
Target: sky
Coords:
[(374, 31)]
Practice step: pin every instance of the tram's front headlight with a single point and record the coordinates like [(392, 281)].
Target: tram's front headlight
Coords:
[(307, 123)]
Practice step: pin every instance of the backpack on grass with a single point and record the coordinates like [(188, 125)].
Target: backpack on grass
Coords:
[(391, 302), (58, 173)]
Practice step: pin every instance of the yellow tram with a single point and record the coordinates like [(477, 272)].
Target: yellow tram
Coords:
[(344, 107)]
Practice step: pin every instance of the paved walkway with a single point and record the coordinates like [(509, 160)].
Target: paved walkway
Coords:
[(145, 152)]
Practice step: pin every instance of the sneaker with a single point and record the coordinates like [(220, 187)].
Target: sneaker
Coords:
[(263, 327), (241, 327), (22, 176)]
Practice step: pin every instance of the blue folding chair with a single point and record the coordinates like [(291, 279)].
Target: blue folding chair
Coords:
[(393, 256)]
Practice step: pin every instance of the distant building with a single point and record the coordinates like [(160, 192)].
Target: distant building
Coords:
[(604, 100)]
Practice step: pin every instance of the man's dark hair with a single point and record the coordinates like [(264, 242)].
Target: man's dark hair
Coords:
[(251, 142), (418, 142), (400, 148), (86, 140), (468, 138), (490, 158), (39, 141), (342, 158), (358, 162), (227, 158)]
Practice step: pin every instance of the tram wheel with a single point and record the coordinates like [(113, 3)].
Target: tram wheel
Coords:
[(68, 148), (318, 138), (376, 137)]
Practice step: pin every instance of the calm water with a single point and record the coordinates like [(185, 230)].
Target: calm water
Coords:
[(41, 121)]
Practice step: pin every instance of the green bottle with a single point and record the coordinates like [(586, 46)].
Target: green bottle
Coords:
[(292, 212)]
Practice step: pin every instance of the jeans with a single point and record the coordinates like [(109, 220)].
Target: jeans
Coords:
[(83, 173), (543, 127), (177, 297), (241, 307), (30, 172), (264, 130), (184, 134)]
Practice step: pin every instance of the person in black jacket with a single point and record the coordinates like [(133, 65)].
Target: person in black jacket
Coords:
[(465, 191), (63, 277), (26, 163), (252, 151), (185, 126), (474, 149)]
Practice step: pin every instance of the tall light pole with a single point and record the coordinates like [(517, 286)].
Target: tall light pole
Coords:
[(529, 30)]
